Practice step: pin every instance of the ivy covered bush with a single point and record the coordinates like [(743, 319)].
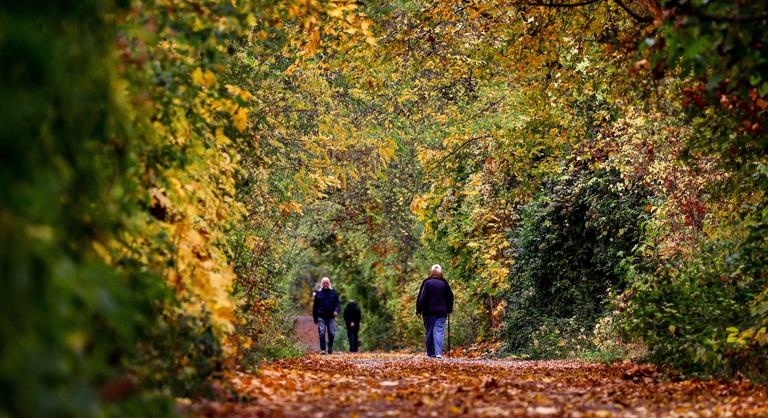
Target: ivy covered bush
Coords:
[(569, 253)]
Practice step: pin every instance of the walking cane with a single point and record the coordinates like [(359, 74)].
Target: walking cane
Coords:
[(449, 334)]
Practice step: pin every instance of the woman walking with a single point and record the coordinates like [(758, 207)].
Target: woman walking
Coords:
[(434, 304), (324, 311)]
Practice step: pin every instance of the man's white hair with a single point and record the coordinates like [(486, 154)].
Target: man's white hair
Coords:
[(330, 285), (436, 268)]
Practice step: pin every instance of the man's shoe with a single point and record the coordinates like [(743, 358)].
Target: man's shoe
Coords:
[(438, 356)]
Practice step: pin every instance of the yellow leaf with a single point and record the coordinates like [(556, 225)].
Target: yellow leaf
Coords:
[(221, 138), (209, 79), (203, 78), (102, 252), (197, 76), (240, 119), (337, 13)]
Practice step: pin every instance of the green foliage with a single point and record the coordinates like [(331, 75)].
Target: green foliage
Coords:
[(707, 315), (181, 355), (70, 322), (534, 335), (702, 310), (568, 257), (719, 44), (719, 40), (603, 356)]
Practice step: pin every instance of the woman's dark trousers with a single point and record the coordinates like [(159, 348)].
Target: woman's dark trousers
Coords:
[(352, 336)]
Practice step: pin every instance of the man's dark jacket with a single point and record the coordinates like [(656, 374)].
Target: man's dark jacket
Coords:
[(352, 314), (326, 303), (435, 298)]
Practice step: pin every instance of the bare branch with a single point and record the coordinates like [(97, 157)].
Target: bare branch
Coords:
[(455, 151), (637, 17)]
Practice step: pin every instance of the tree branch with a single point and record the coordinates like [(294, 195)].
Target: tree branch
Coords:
[(637, 17), (455, 151)]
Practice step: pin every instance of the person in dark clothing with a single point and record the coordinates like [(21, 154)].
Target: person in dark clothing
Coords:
[(324, 311), (352, 316), (434, 303)]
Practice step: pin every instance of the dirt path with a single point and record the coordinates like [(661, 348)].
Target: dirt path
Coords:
[(373, 385)]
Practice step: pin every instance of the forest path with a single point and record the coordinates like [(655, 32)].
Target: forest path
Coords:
[(376, 384)]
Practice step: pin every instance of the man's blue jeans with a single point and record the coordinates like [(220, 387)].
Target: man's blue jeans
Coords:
[(326, 326), (435, 327)]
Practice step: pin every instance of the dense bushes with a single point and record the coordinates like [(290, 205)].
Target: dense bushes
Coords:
[(706, 315), (125, 130), (115, 281), (69, 323), (568, 257), (584, 250)]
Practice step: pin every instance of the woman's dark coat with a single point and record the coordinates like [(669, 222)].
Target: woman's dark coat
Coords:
[(326, 304), (435, 298)]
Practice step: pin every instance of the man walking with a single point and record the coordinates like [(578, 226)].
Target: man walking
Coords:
[(352, 316), (324, 311), (435, 303)]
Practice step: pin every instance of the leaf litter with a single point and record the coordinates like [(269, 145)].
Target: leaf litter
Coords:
[(402, 385)]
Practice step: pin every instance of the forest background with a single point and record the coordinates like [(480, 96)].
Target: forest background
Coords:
[(176, 177)]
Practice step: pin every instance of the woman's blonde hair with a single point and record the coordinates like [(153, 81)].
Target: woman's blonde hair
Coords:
[(330, 285)]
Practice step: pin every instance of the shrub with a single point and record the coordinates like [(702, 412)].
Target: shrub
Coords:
[(706, 316), (568, 258), (69, 321)]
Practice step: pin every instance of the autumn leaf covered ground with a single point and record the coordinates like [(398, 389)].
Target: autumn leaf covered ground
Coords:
[(351, 385)]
